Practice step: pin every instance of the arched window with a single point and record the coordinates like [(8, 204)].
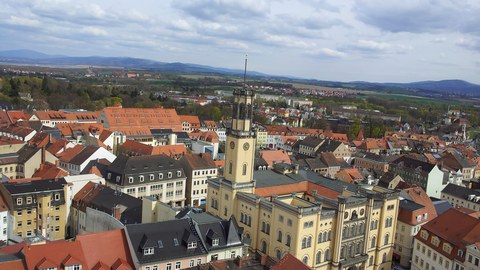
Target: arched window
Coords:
[(264, 246), (329, 235), (241, 217), (373, 242), (387, 238), (305, 260), (304, 242), (370, 263), (351, 250), (268, 229), (318, 257), (352, 230), (309, 241), (359, 247), (280, 236), (319, 239), (372, 225), (230, 167), (360, 228), (345, 232), (244, 169), (278, 254), (264, 226), (384, 257), (324, 237), (289, 239), (327, 255)]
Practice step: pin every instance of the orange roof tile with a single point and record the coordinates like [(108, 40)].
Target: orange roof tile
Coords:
[(4, 140), (304, 186), (52, 254), (290, 262), (70, 153), (109, 248), (278, 156), (138, 117), (193, 120), (48, 170)]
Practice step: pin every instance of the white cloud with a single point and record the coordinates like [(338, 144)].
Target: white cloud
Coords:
[(22, 21), (373, 45), (94, 31)]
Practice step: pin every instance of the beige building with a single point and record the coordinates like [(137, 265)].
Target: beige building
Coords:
[(326, 224), (25, 162), (198, 169), (459, 196), (37, 208), (444, 242), (416, 209), (261, 135)]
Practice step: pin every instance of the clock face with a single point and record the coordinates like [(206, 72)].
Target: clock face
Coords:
[(232, 145), (246, 146)]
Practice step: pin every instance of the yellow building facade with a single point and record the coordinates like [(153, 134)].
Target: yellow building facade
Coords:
[(334, 225), (37, 208)]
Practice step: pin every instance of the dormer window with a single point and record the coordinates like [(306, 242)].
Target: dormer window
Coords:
[(170, 175), (74, 267), (141, 178), (192, 245), (148, 251), (179, 173), (130, 180), (215, 242)]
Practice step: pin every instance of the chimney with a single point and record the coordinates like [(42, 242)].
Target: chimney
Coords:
[(117, 214), (43, 154)]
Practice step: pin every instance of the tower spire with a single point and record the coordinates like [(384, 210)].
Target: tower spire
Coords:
[(245, 73)]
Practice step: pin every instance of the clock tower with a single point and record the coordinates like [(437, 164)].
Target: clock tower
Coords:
[(240, 145), (239, 158)]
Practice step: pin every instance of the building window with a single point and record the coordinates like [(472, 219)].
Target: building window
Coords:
[(387, 238), (305, 260), (244, 169), (169, 266), (289, 240), (179, 173), (142, 189), (373, 242), (178, 265), (160, 176), (169, 175), (318, 257), (141, 178), (29, 200), (280, 235), (130, 180), (230, 167), (19, 201), (192, 245), (148, 251), (152, 177), (215, 242), (192, 263)]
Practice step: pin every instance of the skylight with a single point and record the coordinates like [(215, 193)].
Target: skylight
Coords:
[(175, 241)]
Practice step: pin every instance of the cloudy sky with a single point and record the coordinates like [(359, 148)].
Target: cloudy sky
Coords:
[(347, 40)]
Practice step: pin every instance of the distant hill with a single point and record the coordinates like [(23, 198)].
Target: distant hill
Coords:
[(36, 58), (29, 57)]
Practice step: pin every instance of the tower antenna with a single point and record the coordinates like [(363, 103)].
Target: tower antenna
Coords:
[(245, 73)]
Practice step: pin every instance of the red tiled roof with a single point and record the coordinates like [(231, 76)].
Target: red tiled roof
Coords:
[(134, 147), (304, 186), (148, 117), (109, 248), (4, 140), (193, 120), (278, 156), (57, 146), (289, 262), (456, 228), (70, 153), (40, 139), (52, 254), (48, 170)]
